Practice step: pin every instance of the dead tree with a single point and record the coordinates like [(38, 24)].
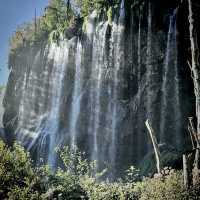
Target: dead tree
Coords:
[(186, 172), (155, 146), (188, 156), (191, 137), (195, 69)]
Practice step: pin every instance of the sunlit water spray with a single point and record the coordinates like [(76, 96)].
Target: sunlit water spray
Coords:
[(60, 57), (98, 64), (76, 98)]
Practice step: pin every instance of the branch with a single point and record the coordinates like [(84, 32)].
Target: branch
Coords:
[(191, 137), (155, 145), (194, 132)]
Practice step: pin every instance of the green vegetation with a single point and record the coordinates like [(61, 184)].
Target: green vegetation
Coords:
[(58, 16), (77, 179), (87, 6), (110, 15)]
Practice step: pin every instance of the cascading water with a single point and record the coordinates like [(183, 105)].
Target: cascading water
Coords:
[(59, 54), (76, 99), (60, 60), (177, 106), (149, 65), (117, 44), (30, 87), (141, 86), (98, 63), (47, 124), (79, 92), (170, 86), (139, 52)]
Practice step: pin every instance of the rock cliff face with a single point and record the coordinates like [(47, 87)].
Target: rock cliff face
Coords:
[(2, 91), (96, 90)]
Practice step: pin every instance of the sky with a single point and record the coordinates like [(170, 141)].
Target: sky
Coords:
[(12, 14)]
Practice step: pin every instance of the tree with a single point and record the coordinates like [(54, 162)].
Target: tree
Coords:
[(195, 69), (87, 6), (155, 145), (57, 12)]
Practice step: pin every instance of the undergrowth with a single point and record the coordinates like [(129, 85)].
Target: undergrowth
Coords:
[(20, 180)]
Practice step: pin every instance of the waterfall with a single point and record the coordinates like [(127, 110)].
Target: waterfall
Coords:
[(21, 106), (47, 85), (96, 90), (60, 60), (150, 72), (76, 97), (165, 79), (98, 71), (90, 25), (98, 65), (139, 52), (26, 119), (48, 129), (149, 65), (141, 86), (118, 59), (33, 87), (170, 86), (177, 106)]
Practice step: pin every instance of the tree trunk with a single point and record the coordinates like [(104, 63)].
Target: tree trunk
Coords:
[(185, 171), (195, 68), (155, 146)]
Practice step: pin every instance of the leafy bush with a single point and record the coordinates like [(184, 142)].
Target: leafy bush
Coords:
[(170, 187), (20, 180), (78, 179), (16, 173)]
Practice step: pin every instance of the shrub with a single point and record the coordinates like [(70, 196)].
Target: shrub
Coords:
[(166, 188), (78, 179), (15, 169)]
